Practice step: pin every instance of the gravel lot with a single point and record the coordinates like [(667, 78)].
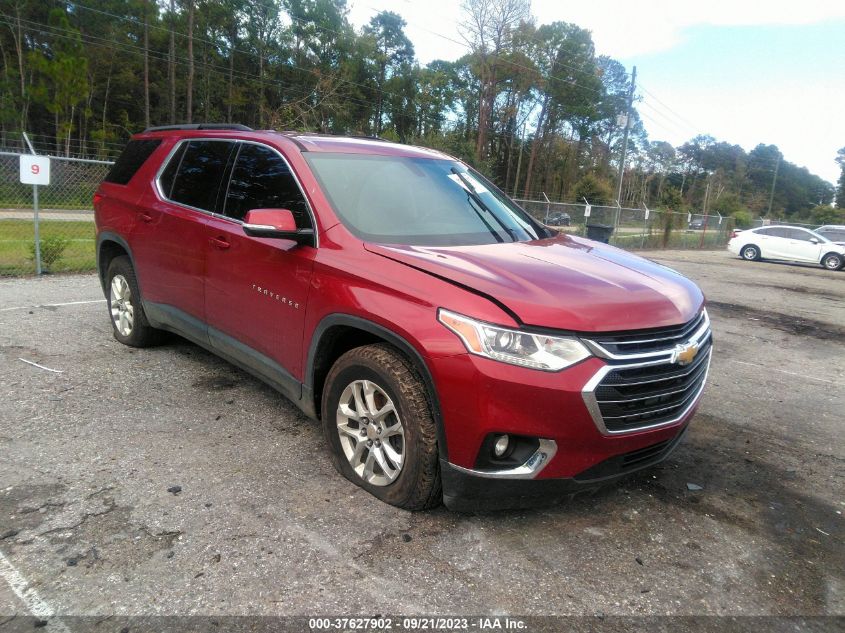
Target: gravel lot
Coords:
[(90, 458)]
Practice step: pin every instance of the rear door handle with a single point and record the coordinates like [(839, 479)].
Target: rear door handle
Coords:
[(146, 218), (219, 242)]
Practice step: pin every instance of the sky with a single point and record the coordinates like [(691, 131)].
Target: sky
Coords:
[(743, 71)]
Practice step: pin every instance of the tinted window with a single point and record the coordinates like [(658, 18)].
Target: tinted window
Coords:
[(133, 156), (776, 231), (169, 174), (200, 174), (798, 234), (262, 180)]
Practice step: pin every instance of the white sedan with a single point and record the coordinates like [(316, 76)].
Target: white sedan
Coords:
[(788, 243)]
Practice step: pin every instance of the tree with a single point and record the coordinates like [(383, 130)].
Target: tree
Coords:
[(61, 78), (840, 184), (488, 28), (392, 52)]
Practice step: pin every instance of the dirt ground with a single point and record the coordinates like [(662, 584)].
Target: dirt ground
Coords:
[(166, 482)]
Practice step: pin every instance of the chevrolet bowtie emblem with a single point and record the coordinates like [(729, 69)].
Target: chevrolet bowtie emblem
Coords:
[(684, 354)]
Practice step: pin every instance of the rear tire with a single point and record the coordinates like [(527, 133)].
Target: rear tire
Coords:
[(129, 323), (380, 429), (750, 253), (832, 261)]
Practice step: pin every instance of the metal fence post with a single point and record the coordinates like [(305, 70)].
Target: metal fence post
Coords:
[(35, 214), (548, 206), (645, 225), (37, 230)]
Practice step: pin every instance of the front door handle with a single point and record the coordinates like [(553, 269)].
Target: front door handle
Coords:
[(146, 217), (219, 243)]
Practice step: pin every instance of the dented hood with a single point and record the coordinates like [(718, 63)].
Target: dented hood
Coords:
[(563, 282)]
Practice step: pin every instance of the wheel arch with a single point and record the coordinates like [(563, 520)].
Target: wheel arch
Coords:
[(338, 333), (109, 246)]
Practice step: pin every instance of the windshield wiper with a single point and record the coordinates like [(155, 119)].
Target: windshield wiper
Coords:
[(473, 194)]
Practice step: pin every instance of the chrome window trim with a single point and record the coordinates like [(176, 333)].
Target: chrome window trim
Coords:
[(699, 336), (160, 193), (588, 394), (527, 470)]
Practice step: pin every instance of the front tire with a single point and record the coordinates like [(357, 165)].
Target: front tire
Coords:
[(750, 253), (380, 429), (129, 323), (832, 261)]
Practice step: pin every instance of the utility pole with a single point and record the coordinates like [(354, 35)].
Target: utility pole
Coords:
[(627, 130), (774, 182)]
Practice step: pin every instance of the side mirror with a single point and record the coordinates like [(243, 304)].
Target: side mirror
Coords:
[(278, 223), (814, 240)]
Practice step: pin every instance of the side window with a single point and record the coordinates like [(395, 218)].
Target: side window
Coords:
[(778, 231), (200, 173), (131, 158), (798, 234), (168, 176), (261, 180)]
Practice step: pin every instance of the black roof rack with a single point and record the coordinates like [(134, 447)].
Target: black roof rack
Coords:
[(200, 126)]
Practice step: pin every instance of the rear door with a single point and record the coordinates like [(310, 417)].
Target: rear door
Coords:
[(256, 288), (170, 242), (774, 243)]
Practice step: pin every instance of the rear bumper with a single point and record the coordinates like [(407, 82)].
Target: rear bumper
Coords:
[(464, 491)]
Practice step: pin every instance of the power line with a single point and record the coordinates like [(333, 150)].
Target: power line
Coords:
[(98, 41), (243, 51)]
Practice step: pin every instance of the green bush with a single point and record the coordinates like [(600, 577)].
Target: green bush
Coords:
[(826, 214), (52, 249), (742, 218), (594, 189)]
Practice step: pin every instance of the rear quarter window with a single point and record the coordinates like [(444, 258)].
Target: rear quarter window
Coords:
[(134, 155)]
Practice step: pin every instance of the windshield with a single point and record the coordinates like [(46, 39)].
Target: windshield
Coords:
[(419, 201)]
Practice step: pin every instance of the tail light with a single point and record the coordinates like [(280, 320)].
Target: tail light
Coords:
[(97, 198), (734, 233)]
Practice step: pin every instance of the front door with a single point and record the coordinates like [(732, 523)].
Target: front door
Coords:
[(257, 288), (801, 249)]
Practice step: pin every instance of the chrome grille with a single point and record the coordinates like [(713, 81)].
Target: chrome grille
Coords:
[(653, 341), (644, 386)]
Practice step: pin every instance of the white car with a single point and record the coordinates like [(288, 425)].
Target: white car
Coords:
[(789, 243)]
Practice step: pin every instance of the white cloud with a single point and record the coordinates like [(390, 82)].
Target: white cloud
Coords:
[(620, 28), (624, 29)]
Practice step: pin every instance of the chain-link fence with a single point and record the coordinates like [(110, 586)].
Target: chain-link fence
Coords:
[(634, 228), (66, 220), (65, 217)]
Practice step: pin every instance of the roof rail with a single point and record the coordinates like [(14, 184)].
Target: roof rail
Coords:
[(200, 126), (368, 137)]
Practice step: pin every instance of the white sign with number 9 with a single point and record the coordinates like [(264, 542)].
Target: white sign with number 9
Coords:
[(35, 170)]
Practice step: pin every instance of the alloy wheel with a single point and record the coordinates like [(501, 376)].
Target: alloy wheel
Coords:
[(120, 303), (371, 433), (832, 262)]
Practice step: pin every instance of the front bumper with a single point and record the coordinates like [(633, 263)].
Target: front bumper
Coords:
[(467, 492), (578, 452)]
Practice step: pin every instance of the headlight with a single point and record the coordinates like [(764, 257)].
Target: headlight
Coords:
[(537, 351)]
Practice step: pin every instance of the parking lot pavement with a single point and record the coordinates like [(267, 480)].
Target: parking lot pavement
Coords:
[(91, 458)]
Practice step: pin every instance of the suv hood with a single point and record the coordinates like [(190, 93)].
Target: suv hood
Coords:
[(563, 282)]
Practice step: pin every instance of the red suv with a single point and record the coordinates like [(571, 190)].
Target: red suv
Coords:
[(453, 347)]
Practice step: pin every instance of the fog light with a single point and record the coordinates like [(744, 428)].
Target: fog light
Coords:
[(501, 445)]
